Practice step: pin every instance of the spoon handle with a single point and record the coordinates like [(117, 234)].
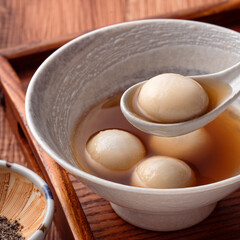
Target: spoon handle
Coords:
[(229, 76)]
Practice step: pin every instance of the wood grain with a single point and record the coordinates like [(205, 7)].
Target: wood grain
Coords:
[(24, 24), (25, 21), (139, 9)]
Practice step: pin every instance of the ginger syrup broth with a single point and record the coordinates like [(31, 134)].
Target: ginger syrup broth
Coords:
[(222, 162)]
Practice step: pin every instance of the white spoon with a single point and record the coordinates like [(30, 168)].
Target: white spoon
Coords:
[(230, 77)]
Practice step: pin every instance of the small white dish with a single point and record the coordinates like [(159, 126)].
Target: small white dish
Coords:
[(25, 197)]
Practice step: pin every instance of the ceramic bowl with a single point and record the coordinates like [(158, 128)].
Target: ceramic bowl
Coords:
[(25, 197), (107, 61)]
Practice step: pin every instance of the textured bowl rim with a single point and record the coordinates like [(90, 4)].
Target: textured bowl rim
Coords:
[(80, 173), (43, 187)]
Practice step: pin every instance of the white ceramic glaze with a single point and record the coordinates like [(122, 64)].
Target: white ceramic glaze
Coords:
[(230, 76), (107, 61), (27, 198)]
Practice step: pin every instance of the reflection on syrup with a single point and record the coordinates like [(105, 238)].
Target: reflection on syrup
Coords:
[(224, 131)]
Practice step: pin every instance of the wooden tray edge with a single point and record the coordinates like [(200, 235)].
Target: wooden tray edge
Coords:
[(70, 220)]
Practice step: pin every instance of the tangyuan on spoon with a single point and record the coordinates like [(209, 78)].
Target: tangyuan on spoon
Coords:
[(179, 109)]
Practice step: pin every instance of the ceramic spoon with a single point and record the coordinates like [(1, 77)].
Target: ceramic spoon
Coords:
[(230, 76)]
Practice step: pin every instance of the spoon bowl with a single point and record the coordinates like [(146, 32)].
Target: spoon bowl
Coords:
[(228, 79)]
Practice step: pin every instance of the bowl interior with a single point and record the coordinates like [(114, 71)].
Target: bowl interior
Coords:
[(21, 200), (107, 61)]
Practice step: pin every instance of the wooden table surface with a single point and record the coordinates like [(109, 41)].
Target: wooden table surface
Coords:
[(30, 21)]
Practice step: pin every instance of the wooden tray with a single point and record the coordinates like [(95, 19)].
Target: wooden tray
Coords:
[(80, 213)]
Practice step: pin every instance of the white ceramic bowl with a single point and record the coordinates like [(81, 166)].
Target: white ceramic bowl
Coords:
[(27, 198), (107, 61)]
